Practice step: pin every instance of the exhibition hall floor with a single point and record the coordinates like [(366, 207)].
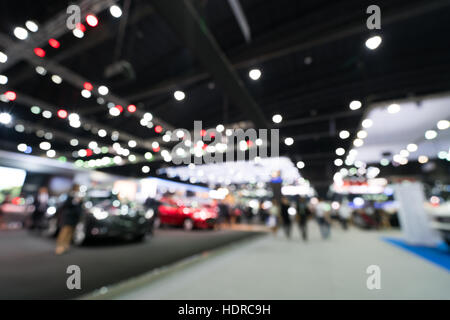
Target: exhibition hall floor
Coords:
[(272, 267)]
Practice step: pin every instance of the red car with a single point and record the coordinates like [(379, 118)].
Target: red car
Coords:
[(175, 213)]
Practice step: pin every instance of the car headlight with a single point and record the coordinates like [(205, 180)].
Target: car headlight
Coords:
[(149, 214), (100, 214)]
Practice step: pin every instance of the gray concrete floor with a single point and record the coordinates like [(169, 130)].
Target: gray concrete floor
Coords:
[(273, 267)]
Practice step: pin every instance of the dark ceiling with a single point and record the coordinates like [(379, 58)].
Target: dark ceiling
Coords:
[(197, 46)]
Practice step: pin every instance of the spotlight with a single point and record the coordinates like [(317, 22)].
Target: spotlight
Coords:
[(91, 20), (20, 33), (277, 118), (355, 105), (54, 43), (115, 11), (373, 42), (254, 74), (179, 95), (32, 26), (5, 118), (39, 52)]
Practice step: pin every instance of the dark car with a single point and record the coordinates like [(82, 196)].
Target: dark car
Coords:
[(105, 216)]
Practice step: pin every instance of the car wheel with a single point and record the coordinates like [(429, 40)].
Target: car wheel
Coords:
[(80, 234), (188, 224), (139, 237)]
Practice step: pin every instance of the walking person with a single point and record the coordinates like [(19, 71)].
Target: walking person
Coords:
[(70, 215), (285, 218), (40, 207), (303, 214), (322, 219), (345, 212), (274, 213)]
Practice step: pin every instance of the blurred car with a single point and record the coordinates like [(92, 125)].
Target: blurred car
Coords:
[(104, 216), (175, 213)]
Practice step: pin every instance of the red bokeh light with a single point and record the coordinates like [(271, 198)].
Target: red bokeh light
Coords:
[(156, 149), (54, 43), (39, 52), (62, 113), (119, 107), (131, 108), (81, 27), (91, 20), (10, 95), (202, 132), (88, 86), (89, 152), (249, 143), (158, 129)]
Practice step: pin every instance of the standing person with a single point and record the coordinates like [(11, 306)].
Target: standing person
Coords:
[(345, 212), (224, 213), (40, 207), (322, 219), (70, 215), (303, 213), (285, 219), (274, 213), (152, 204)]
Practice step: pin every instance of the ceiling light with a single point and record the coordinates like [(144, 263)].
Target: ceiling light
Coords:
[(220, 128), (384, 162), (54, 43), (148, 116), (103, 90), (412, 147), (74, 117), (115, 11), (45, 145), (3, 79), (56, 79), (362, 134), (423, 159), (430, 134), (373, 42), (358, 142), (91, 20), (443, 124), (41, 70), (148, 155), (86, 93), (5, 118), (394, 108), (338, 162), (367, 123), (20, 33), (344, 134), (114, 111), (355, 105), (300, 164), (145, 169), (102, 133), (179, 95), (78, 33), (277, 118), (3, 57), (51, 153), (73, 142), (254, 74), (39, 52), (404, 153), (47, 114), (32, 26), (289, 141), (22, 147), (132, 143), (340, 151)]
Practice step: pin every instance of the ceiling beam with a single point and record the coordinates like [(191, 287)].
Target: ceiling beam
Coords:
[(192, 30)]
